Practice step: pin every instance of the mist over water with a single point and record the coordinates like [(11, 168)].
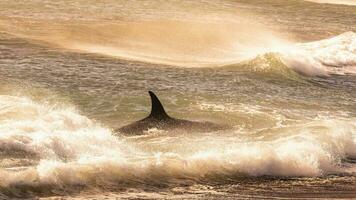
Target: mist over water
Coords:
[(281, 73), (188, 41)]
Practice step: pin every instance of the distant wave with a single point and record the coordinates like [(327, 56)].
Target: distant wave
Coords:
[(342, 2), (335, 55), (193, 44), (183, 43)]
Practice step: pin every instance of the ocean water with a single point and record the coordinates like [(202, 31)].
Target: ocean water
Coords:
[(282, 73)]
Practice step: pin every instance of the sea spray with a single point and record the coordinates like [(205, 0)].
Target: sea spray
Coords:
[(70, 149)]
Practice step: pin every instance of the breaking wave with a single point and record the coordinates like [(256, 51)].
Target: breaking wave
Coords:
[(191, 43), (342, 2), (336, 55), (47, 147)]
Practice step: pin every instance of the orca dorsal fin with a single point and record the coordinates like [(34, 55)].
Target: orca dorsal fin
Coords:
[(157, 110)]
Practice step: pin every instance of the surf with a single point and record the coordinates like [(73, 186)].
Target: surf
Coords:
[(62, 148), (341, 2), (281, 73), (331, 56)]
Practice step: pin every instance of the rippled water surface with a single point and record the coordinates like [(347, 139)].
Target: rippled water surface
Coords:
[(282, 73)]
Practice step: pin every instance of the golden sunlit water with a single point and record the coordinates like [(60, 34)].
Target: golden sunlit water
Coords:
[(281, 73)]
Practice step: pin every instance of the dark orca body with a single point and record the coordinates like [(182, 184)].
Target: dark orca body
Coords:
[(161, 120)]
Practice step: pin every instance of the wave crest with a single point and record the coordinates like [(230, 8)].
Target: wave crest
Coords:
[(69, 149), (336, 55)]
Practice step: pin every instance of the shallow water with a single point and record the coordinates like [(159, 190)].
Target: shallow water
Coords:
[(281, 73)]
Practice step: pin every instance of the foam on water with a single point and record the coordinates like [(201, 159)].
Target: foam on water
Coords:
[(342, 2), (289, 129), (67, 148), (336, 55)]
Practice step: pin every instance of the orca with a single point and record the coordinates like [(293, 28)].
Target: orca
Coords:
[(159, 119)]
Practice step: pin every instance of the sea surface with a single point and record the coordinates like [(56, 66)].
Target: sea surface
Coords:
[(282, 73)]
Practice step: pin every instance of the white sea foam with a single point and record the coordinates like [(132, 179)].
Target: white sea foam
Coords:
[(336, 55), (342, 2), (71, 149)]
